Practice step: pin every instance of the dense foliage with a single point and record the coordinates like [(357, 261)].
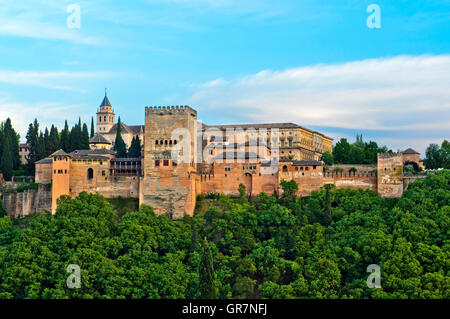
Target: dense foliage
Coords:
[(359, 152), (438, 157), (267, 247), (42, 144)]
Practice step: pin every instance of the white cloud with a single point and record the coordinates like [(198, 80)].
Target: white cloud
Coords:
[(51, 80), (48, 113), (403, 93), (43, 20)]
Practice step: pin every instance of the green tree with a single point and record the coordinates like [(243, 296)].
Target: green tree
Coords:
[(207, 286), (6, 161), (328, 159), (34, 146), (54, 141), (341, 151), (65, 138), (119, 144), (445, 154), (241, 190), (92, 128), (327, 202), (84, 138), (433, 158), (290, 189), (135, 148)]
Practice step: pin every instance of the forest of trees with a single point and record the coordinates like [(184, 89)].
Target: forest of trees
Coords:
[(359, 152), (265, 247), (362, 152)]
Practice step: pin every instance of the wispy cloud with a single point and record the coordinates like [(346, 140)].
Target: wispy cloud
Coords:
[(403, 93), (62, 80), (43, 20), (48, 112)]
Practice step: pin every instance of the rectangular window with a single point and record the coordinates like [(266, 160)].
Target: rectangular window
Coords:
[(166, 162), (290, 143), (157, 163), (103, 173)]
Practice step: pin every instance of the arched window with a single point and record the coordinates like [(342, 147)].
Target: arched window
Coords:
[(156, 142), (285, 168), (90, 173)]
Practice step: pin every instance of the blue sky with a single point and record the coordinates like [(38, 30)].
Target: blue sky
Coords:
[(312, 62)]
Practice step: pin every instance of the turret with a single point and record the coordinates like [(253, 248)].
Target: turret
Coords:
[(105, 116)]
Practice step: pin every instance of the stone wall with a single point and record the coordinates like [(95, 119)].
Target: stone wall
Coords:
[(43, 173), (352, 181), (27, 202), (360, 168)]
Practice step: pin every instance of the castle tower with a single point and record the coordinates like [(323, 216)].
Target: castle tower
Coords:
[(390, 175), (167, 185), (105, 116), (60, 176)]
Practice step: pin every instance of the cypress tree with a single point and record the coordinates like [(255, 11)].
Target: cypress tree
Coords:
[(32, 141), (327, 203), (47, 146), (85, 138), (92, 127), (10, 136), (135, 148), (54, 140), (206, 274), (6, 162), (65, 138), (119, 144)]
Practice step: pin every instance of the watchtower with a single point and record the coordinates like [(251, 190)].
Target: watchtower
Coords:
[(60, 176), (390, 175), (169, 152)]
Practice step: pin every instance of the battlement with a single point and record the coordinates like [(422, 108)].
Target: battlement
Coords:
[(388, 155), (169, 110)]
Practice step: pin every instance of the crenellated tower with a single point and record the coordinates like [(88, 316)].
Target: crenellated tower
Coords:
[(105, 116), (169, 148)]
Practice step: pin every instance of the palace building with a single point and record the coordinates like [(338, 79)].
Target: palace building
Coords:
[(182, 158)]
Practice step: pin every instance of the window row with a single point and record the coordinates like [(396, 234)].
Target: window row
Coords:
[(164, 162), (166, 142)]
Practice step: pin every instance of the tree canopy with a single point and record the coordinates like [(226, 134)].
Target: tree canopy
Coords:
[(265, 247)]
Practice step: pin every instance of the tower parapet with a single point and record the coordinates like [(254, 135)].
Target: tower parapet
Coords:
[(168, 110)]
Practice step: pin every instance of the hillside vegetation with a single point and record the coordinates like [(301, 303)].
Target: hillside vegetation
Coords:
[(267, 247)]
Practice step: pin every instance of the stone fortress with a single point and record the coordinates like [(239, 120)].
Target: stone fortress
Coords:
[(182, 158)]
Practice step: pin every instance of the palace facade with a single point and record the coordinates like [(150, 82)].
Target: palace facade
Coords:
[(182, 158)]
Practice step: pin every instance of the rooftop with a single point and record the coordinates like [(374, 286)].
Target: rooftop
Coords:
[(410, 151), (99, 139)]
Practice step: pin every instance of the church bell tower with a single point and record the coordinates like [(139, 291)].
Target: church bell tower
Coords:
[(105, 116)]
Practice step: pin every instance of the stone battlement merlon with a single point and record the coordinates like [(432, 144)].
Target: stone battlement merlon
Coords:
[(169, 109), (388, 155)]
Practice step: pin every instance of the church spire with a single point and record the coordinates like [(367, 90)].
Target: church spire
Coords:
[(105, 101)]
